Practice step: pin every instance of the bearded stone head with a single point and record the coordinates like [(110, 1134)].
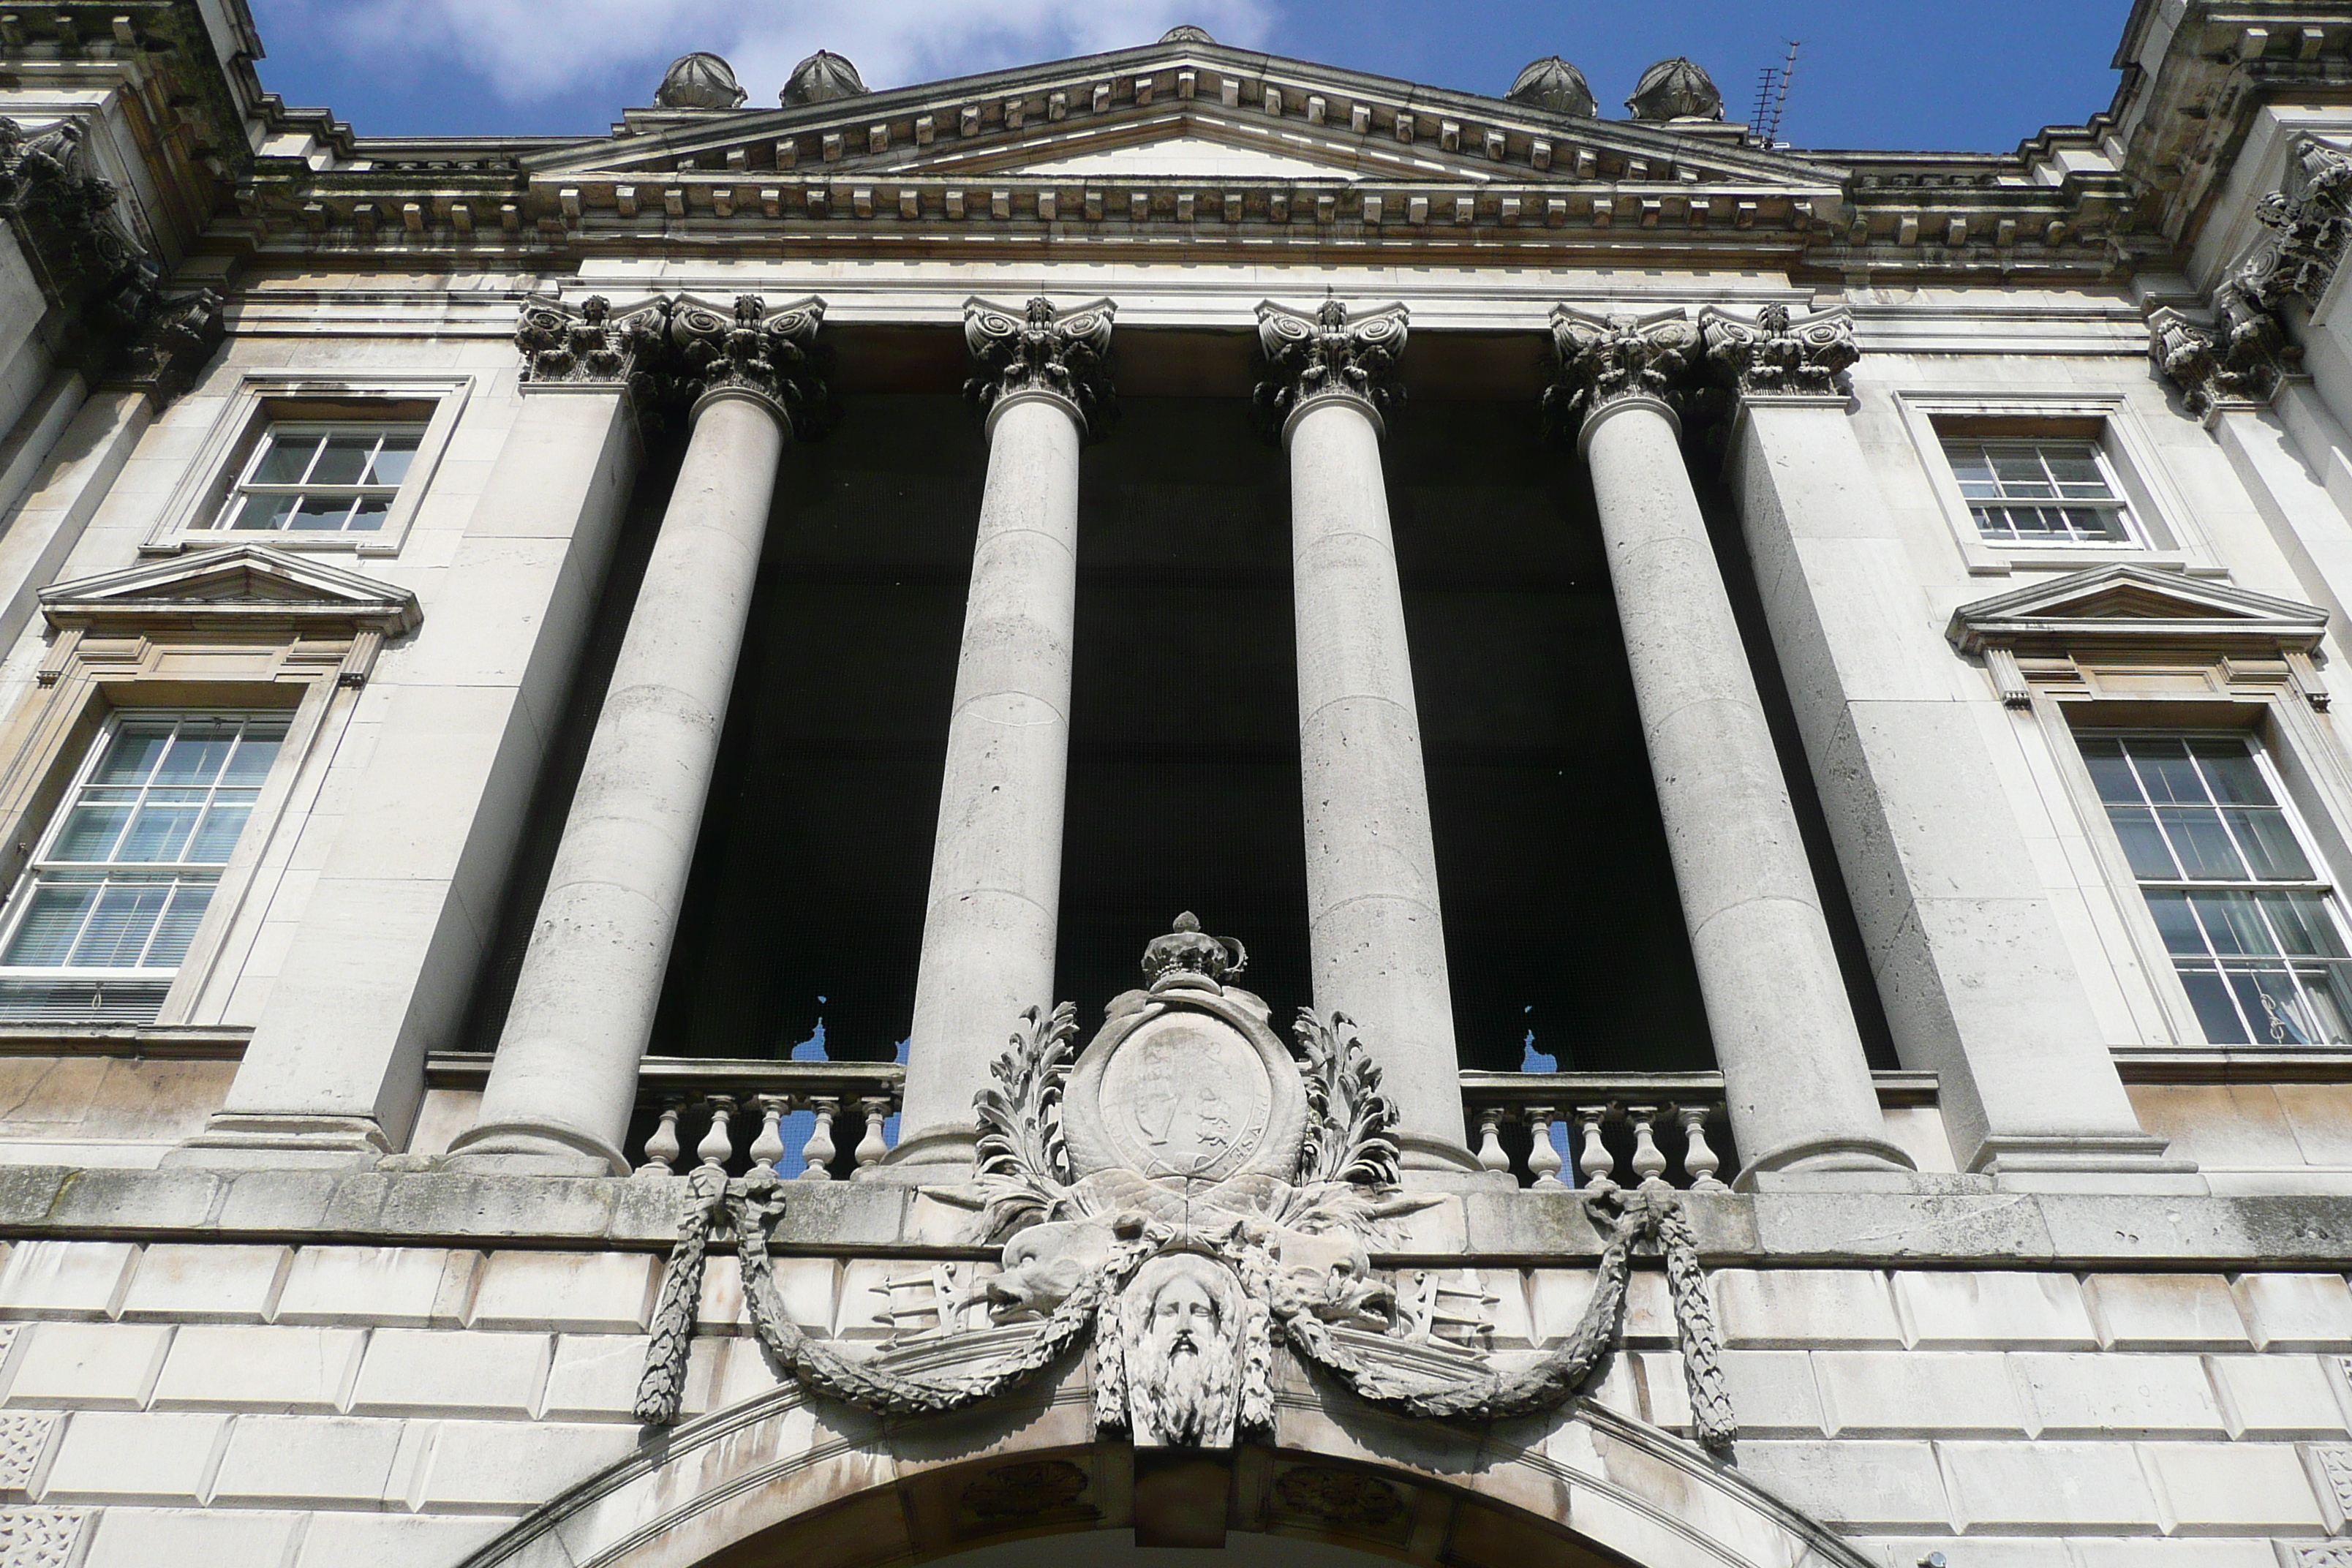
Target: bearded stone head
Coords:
[(1180, 1320)]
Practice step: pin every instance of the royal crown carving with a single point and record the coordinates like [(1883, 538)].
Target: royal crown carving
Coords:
[(1194, 1194), (1779, 352), (1602, 359), (1328, 353), (1038, 348)]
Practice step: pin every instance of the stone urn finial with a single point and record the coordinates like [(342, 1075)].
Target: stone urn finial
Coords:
[(699, 80), (820, 79), (1676, 90), (1188, 957), (1185, 32), (1552, 83)]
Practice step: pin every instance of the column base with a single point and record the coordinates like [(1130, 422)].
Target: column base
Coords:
[(1858, 1164), (2117, 1162), (534, 1149), (1419, 1153), (940, 1155), (235, 1142)]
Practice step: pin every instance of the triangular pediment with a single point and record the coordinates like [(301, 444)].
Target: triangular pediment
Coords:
[(2135, 603), (251, 580), (1180, 110)]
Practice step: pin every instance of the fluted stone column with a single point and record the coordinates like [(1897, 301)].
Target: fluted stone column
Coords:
[(994, 911), (1972, 965), (1375, 937), (564, 1083), (1798, 1084)]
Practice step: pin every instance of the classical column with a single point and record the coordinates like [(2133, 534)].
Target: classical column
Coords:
[(1374, 935), (1798, 1085), (989, 927), (1972, 964), (564, 1080)]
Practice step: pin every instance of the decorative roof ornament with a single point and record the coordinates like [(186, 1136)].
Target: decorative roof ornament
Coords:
[(1326, 353), (820, 79), (1676, 90), (700, 80), (1192, 1193), (1605, 358), (1186, 34), (1552, 83), (1041, 349), (1778, 353)]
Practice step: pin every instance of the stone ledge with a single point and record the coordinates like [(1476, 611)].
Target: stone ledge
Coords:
[(1977, 1230)]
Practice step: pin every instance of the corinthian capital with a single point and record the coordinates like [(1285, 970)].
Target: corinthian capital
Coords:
[(2239, 360), (2308, 229), (770, 352), (586, 344), (1037, 348), (1326, 352), (1780, 354), (1605, 358)]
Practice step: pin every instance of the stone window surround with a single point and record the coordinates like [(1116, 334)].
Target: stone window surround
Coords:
[(2158, 510), (2189, 690), (262, 397)]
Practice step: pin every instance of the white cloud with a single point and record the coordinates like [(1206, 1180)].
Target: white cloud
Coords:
[(527, 50)]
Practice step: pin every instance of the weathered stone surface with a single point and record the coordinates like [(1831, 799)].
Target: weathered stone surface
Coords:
[(595, 1292), (2165, 1311), (389, 1541), (1917, 1393), (2297, 1312), (2118, 1395), (390, 1287), (2232, 1488), (179, 1282), (2048, 1488), (2276, 1396), (124, 1458), (1764, 1307), (492, 1466), (1993, 1310), (65, 1278), (1854, 1484), (142, 1537), (235, 1367), (428, 1372), (89, 1366), (294, 1462)]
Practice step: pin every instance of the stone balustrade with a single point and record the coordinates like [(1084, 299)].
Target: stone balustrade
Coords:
[(1602, 1130)]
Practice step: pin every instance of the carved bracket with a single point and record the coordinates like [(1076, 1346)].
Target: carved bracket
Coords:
[(1040, 349)]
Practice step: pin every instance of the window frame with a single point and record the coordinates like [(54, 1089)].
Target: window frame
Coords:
[(2166, 532), (244, 484), (261, 399), (2134, 539), (41, 864)]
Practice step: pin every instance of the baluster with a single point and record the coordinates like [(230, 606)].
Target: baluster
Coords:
[(1648, 1163), (1701, 1159), (1596, 1161), (769, 1146), (661, 1144), (817, 1154), (718, 1145), (1543, 1160), (870, 1148), (1490, 1140)]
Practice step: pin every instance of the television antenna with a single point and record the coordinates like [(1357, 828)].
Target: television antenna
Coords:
[(1772, 98)]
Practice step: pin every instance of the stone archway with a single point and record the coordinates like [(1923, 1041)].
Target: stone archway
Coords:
[(785, 1481)]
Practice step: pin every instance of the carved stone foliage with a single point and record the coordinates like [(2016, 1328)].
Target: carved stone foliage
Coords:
[(1038, 348), (1552, 83), (2308, 229), (700, 80), (752, 348), (1191, 1192), (72, 225), (585, 344), (1676, 90), (1605, 358), (162, 355), (2237, 360), (1326, 352), (1779, 352)]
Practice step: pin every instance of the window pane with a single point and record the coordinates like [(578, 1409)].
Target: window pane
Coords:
[(197, 751), (288, 456), (2271, 1001), (2231, 772), (118, 929), (2323, 991), (262, 511), (2166, 772), (2077, 469), (158, 832), (2173, 918), (50, 924), (345, 460), (2215, 1015), (178, 926), (90, 833), (2269, 844), (393, 459), (320, 513), (255, 754), (2021, 475), (2109, 772), (218, 837), (369, 514), (2144, 847), (2231, 925), (132, 755), (2206, 853), (2302, 924)]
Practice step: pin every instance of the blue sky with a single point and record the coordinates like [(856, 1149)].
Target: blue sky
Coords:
[(1882, 74)]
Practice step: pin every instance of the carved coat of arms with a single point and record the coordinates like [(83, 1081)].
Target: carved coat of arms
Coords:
[(1191, 1191)]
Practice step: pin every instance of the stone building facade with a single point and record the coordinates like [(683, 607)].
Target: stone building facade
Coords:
[(591, 731)]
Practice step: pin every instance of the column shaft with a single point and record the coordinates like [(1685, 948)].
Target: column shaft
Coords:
[(990, 926), (564, 1081), (1374, 934), (1798, 1084)]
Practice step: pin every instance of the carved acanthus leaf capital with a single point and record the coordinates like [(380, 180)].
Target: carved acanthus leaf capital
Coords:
[(1605, 358), (1328, 353), (1780, 352), (2239, 360), (752, 347), (163, 356), (588, 343), (2308, 227), (1037, 348)]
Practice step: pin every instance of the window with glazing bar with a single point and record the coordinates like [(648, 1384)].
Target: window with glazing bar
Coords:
[(321, 479), (2249, 916), (125, 869), (2040, 492)]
